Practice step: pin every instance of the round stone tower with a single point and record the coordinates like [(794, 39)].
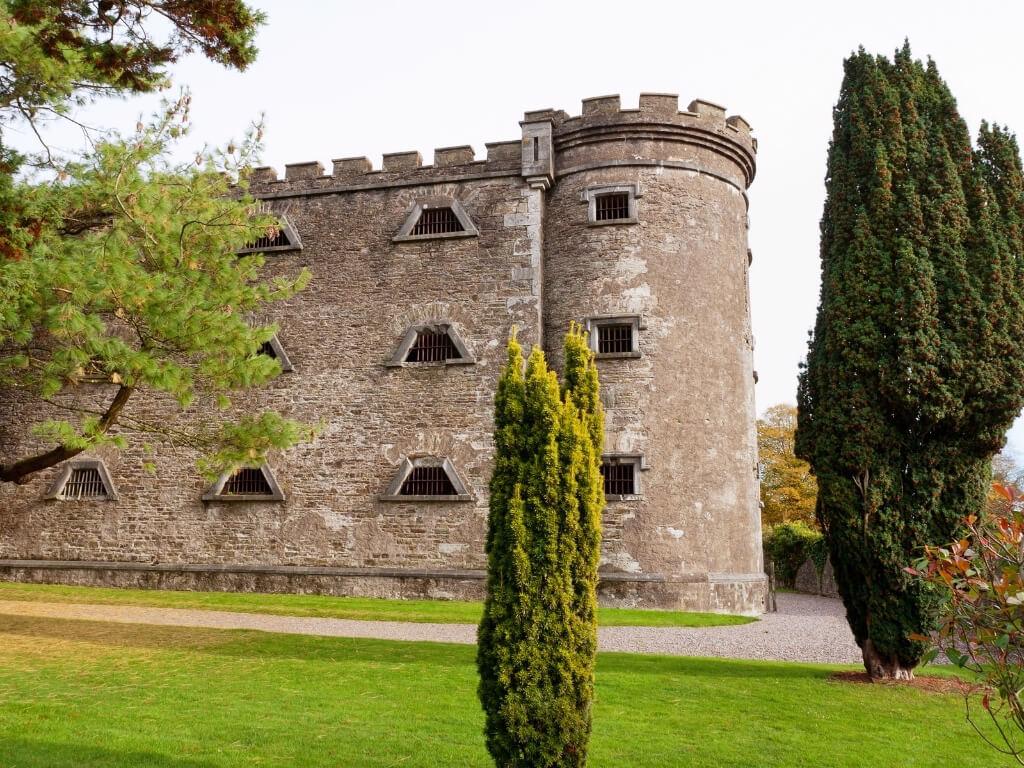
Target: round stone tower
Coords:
[(645, 242)]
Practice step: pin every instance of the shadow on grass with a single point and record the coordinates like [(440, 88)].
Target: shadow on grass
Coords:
[(33, 753), (647, 664), (243, 643)]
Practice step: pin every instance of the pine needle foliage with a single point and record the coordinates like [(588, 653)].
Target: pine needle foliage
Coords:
[(118, 273), (538, 635), (915, 368)]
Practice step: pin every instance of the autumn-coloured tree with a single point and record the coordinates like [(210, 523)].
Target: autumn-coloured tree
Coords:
[(788, 489), (118, 273), (981, 625), (1007, 476)]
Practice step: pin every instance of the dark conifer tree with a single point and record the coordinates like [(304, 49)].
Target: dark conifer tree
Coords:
[(915, 369)]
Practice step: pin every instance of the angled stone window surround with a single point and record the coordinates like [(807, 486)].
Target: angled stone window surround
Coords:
[(405, 233), (411, 463), (636, 464), (286, 239), (83, 480), (220, 490), (402, 353), (275, 349), (591, 194), (601, 327)]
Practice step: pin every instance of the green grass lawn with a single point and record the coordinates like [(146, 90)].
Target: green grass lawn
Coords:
[(371, 609), (77, 694)]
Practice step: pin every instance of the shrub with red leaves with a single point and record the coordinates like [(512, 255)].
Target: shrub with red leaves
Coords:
[(981, 629)]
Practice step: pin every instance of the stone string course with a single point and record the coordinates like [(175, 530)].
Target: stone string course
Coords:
[(690, 540)]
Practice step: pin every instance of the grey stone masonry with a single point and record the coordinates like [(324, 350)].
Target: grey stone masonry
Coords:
[(632, 220)]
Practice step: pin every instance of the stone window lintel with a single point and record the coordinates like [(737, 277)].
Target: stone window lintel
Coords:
[(57, 489), (294, 241), (637, 322), (281, 355), (422, 203), (214, 492), (639, 462), (394, 490), (398, 359), (590, 195)]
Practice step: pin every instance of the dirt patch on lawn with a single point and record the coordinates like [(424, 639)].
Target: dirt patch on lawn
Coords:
[(929, 684)]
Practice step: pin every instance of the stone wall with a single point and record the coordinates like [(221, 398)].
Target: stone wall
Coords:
[(685, 404), (810, 581), (690, 538)]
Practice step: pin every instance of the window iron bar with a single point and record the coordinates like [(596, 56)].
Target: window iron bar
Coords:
[(84, 483), (437, 221), (619, 479), (432, 347), (276, 240), (614, 205), (247, 481), (614, 338), (428, 481)]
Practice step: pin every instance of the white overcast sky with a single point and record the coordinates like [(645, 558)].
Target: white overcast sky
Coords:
[(337, 79)]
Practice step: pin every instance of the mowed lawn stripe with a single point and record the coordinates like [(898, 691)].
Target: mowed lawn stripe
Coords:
[(90, 694), (324, 606)]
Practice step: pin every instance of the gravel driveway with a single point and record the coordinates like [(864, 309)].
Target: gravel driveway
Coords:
[(806, 628)]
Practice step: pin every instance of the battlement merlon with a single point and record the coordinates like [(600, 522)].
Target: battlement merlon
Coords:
[(545, 133), (657, 115), (652, 107), (397, 169)]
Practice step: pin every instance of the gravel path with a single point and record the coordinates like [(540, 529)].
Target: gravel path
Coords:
[(806, 628)]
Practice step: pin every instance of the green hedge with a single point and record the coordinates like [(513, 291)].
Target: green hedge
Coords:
[(789, 545)]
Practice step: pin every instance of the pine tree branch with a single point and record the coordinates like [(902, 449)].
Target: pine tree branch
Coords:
[(20, 471)]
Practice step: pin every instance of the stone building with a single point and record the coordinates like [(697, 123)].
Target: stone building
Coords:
[(631, 221)]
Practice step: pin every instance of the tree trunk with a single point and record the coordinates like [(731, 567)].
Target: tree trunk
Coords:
[(884, 667), (20, 472)]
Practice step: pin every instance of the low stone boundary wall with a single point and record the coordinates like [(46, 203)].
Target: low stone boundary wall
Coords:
[(810, 582), (720, 593)]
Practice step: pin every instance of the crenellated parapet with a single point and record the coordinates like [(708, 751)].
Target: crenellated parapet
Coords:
[(397, 169), (657, 118), (548, 139)]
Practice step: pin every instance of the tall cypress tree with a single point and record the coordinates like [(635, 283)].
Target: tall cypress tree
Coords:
[(915, 369), (538, 635), (581, 503)]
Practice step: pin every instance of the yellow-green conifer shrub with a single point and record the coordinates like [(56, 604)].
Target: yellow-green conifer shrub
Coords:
[(538, 635)]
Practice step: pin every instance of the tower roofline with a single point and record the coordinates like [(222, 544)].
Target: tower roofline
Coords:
[(602, 118)]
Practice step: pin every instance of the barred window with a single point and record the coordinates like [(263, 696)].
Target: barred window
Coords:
[(248, 484), (437, 221), (614, 205), (273, 349), (247, 481), (438, 342), (276, 239), (614, 338), (83, 479), (84, 483), (619, 477), (432, 347), (428, 481), (283, 237)]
